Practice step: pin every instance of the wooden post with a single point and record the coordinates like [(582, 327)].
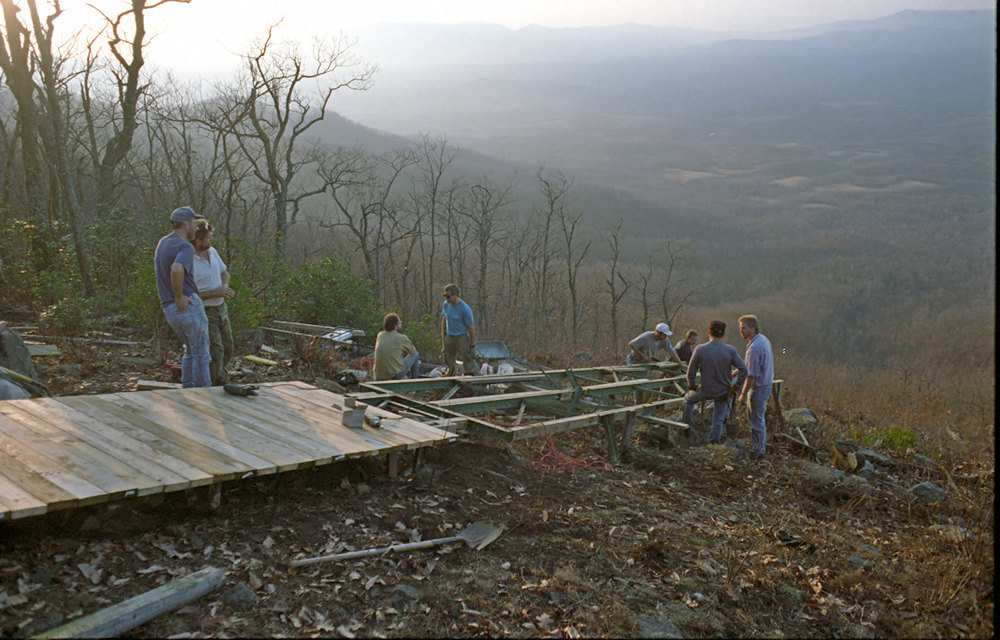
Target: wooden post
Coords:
[(117, 619), (609, 429), (392, 462), (627, 434)]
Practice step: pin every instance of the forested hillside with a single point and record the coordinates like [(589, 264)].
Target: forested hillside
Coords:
[(839, 183)]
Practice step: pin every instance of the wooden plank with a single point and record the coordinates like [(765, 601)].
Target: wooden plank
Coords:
[(291, 432), (418, 430), (137, 442), (34, 483), (324, 421), (131, 452), (39, 350), (174, 406), (78, 456), (136, 422), (16, 502), (663, 422), (124, 616), (167, 415), (363, 440), (150, 385), (58, 471)]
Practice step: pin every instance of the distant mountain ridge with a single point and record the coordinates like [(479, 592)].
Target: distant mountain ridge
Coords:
[(479, 43)]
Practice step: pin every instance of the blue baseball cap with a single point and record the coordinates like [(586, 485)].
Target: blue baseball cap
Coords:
[(183, 214)]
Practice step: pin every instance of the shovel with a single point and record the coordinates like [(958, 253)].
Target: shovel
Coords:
[(476, 535)]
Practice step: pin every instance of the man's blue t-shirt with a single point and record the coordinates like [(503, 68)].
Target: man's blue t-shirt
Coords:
[(458, 317), (173, 248)]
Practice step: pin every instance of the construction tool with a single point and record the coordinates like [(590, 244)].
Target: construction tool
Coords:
[(476, 536), (244, 390)]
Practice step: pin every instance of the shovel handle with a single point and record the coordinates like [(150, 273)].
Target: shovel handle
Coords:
[(364, 553)]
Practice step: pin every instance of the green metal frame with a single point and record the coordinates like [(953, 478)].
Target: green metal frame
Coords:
[(567, 398)]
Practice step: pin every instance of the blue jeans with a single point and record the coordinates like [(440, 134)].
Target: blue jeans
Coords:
[(756, 406), (191, 326), (411, 367), (720, 411)]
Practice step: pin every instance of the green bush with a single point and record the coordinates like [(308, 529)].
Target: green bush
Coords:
[(142, 302), (37, 263), (425, 335), (245, 311), (69, 315), (896, 439), (327, 293)]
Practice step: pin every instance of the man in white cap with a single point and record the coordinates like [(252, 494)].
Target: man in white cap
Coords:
[(644, 346), (182, 307)]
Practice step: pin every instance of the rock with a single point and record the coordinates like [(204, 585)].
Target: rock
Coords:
[(657, 627), (875, 458), (867, 471), (924, 460), (803, 418), (74, 369), (927, 492), (793, 594), (43, 577), (739, 450), (821, 481), (845, 447), (14, 355), (952, 532), (404, 594), (10, 391), (661, 436), (240, 597)]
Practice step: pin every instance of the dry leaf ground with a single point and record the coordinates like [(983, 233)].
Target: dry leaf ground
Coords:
[(676, 542)]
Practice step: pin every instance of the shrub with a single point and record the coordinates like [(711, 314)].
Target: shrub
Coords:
[(896, 439), (38, 263), (69, 315), (327, 293), (425, 335), (142, 302)]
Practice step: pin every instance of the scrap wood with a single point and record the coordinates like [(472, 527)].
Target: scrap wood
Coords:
[(269, 363), (153, 385), (124, 616), (37, 350)]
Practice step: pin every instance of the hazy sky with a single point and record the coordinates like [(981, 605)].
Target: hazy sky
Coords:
[(205, 30)]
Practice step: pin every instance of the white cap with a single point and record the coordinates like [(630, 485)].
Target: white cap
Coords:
[(664, 328)]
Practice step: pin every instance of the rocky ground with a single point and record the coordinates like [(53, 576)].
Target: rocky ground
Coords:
[(683, 541)]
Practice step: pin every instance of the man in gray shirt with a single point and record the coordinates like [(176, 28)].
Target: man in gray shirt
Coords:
[(716, 361)]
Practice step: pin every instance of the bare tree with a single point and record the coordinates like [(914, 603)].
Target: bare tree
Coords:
[(554, 187), (574, 254), (617, 284), (16, 63), (487, 201), (270, 110), (53, 93), (433, 159), (361, 186), (675, 294), (122, 121)]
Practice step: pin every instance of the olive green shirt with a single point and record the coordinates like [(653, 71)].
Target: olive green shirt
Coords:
[(391, 347)]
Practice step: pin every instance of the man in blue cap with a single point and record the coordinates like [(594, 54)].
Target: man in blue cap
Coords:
[(182, 307)]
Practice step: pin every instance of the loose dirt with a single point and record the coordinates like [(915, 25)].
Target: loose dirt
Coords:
[(688, 541)]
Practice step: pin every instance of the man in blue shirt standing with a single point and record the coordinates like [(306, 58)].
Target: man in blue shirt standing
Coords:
[(716, 361), (757, 388), (182, 307), (458, 334)]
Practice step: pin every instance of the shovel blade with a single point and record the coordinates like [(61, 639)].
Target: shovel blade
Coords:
[(480, 534)]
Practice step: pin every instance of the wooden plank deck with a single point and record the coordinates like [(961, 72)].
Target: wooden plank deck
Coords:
[(59, 453)]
